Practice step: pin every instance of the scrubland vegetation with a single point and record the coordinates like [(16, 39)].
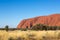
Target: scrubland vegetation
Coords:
[(37, 32), (29, 35)]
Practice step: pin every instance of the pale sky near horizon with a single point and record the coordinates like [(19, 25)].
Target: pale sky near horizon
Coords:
[(13, 11)]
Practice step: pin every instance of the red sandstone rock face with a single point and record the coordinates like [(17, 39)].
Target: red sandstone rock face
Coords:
[(51, 20)]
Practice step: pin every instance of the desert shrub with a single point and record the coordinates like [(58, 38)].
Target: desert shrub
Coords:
[(23, 29), (20, 38), (36, 27), (39, 27), (59, 27), (53, 28), (44, 27), (44, 38), (32, 37), (10, 38)]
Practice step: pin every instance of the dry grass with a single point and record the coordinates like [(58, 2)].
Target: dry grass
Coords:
[(29, 35)]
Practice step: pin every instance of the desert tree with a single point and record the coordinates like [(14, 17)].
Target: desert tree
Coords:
[(6, 27), (55, 27), (44, 27), (59, 27)]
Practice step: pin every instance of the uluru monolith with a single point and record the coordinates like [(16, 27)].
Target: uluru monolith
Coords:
[(51, 20)]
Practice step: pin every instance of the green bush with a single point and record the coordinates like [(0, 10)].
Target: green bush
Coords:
[(20, 38), (39, 27), (6, 27)]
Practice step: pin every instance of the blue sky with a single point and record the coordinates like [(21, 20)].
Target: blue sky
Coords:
[(13, 11)]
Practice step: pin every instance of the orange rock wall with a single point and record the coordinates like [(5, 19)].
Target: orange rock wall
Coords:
[(51, 20)]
